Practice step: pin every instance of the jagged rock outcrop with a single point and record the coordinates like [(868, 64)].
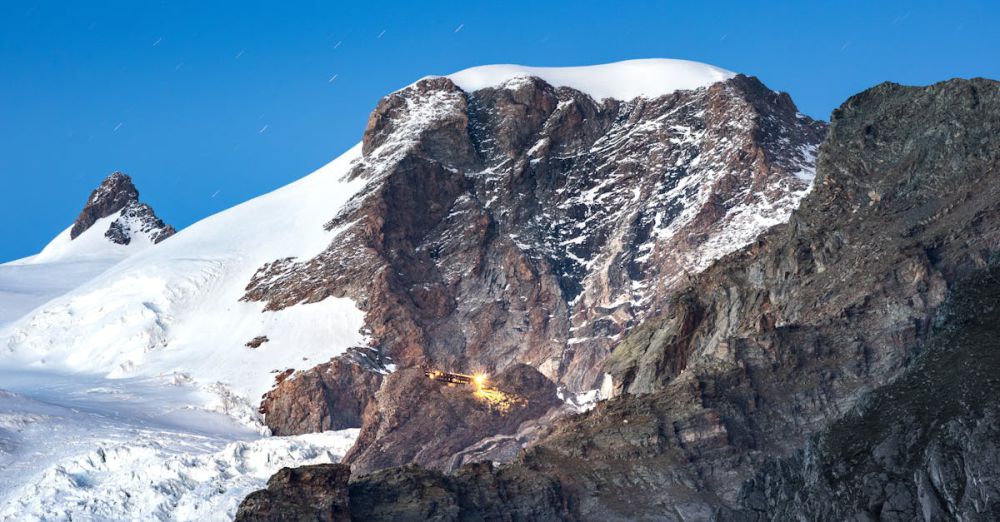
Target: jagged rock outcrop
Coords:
[(118, 195), (331, 396), (774, 343), (110, 197), (530, 224)]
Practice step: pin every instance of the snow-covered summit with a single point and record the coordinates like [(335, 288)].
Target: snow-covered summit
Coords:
[(648, 78)]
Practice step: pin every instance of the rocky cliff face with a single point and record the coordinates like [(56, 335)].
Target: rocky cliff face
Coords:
[(527, 224), (776, 342), (118, 195)]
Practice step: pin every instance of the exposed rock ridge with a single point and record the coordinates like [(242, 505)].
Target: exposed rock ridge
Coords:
[(529, 224), (118, 195), (774, 343)]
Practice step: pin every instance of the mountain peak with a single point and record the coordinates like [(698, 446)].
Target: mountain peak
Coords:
[(117, 194)]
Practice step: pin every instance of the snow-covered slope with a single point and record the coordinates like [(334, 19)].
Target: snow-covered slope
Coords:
[(625, 80), (175, 309), (63, 265)]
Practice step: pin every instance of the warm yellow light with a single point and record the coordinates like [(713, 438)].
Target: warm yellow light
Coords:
[(479, 379)]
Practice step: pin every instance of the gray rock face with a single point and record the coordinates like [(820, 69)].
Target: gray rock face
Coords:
[(721, 391), (525, 224), (412, 494), (782, 338), (925, 447), (476, 492), (118, 195)]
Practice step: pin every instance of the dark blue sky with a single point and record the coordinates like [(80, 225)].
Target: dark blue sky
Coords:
[(177, 93)]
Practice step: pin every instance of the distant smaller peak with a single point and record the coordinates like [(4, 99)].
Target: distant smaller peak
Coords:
[(113, 194)]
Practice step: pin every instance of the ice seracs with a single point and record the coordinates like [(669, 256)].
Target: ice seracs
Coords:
[(132, 449)]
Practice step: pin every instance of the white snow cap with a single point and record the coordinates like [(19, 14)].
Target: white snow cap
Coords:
[(626, 80)]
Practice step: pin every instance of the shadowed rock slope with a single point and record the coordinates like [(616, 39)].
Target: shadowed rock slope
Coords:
[(924, 447), (774, 343)]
